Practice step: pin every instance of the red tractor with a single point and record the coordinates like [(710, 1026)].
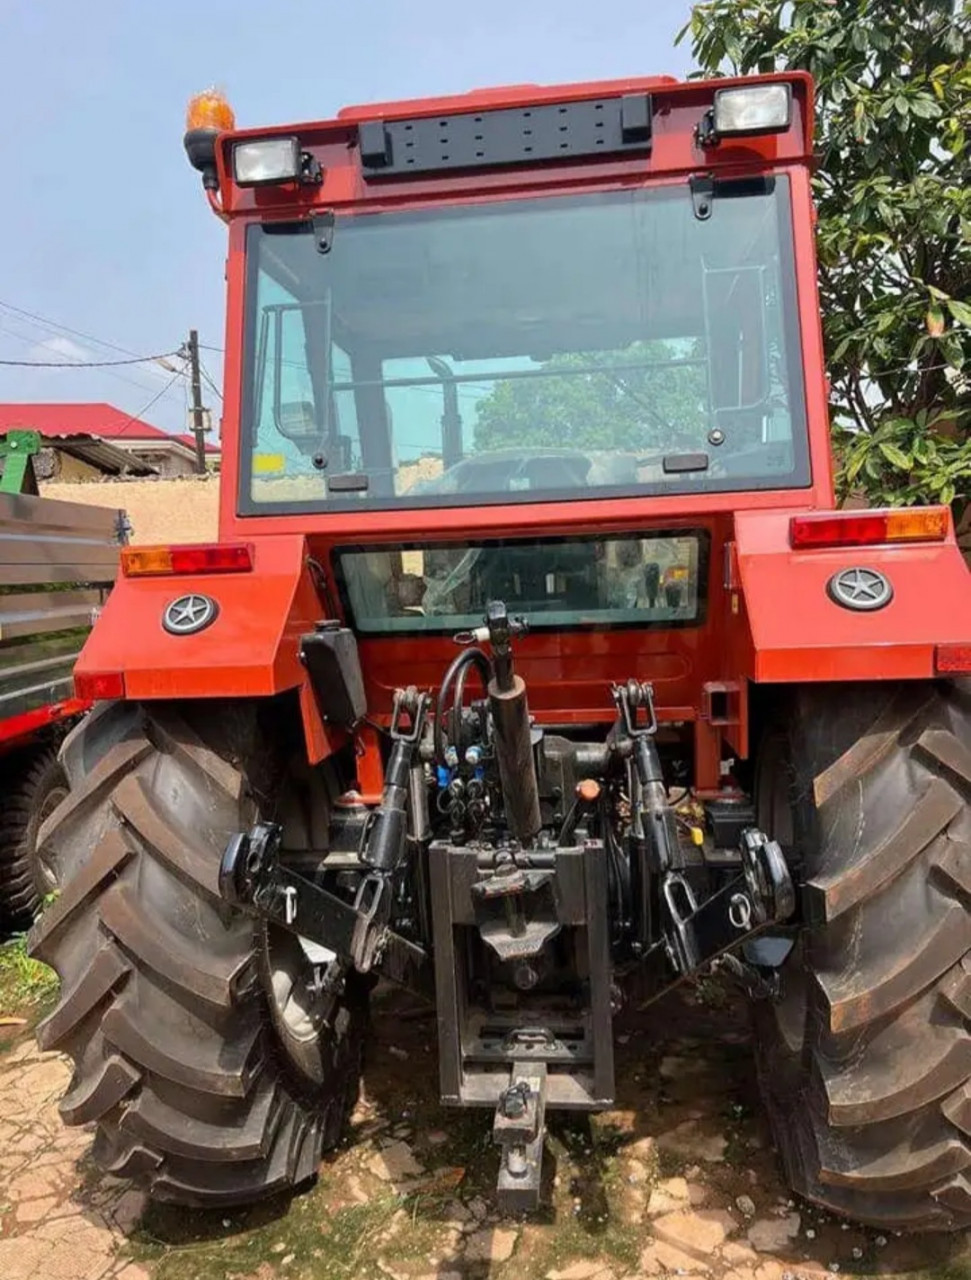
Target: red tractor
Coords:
[(528, 557)]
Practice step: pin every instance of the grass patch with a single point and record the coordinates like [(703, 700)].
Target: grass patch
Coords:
[(588, 1235), (295, 1238), (27, 987)]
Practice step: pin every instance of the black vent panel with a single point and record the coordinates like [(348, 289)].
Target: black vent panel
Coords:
[(477, 140)]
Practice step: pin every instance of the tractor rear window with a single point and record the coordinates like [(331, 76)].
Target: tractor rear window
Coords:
[(623, 581), (606, 344)]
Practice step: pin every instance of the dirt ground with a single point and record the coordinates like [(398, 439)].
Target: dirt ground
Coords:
[(679, 1180), (183, 510)]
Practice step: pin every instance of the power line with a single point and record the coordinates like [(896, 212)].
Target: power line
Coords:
[(88, 364), (33, 342), (55, 327), (47, 323), (158, 395), (205, 373)]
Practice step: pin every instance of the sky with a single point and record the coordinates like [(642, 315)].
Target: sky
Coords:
[(105, 236)]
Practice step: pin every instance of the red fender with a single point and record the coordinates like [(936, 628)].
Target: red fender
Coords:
[(799, 633), (251, 649)]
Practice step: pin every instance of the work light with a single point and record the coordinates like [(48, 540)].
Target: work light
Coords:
[(752, 109), (268, 160)]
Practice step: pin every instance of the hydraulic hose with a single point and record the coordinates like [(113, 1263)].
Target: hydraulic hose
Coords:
[(457, 671)]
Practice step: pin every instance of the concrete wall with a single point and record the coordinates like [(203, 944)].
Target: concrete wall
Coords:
[(183, 510)]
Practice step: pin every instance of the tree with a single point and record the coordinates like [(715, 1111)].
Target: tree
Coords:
[(624, 407), (893, 188)]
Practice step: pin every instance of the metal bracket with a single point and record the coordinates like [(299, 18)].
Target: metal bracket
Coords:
[(763, 894), (519, 1127), (516, 911), (323, 226), (702, 195), (631, 697), (252, 878), (410, 704)]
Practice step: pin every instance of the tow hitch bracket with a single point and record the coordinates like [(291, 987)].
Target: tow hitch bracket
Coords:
[(519, 1127)]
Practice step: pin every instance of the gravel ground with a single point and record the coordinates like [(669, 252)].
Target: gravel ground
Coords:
[(680, 1179)]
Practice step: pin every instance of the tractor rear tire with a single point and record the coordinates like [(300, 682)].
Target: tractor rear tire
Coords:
[(865, 1060), (172, 1003), (33, 785)]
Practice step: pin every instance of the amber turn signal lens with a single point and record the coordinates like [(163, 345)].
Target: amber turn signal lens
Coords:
[(917, 524), (209, 110), (203, 557)]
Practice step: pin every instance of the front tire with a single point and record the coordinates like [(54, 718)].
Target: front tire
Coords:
[(165, 998), (865, 1061)]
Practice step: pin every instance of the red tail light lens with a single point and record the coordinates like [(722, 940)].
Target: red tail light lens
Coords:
[(869, 528), (953, 659), (99, 686), (202, 557)]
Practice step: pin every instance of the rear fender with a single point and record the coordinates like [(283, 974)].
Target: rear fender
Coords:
[(799, 633), (251, 648)]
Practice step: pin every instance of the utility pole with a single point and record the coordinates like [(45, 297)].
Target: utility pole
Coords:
[(198, 411)]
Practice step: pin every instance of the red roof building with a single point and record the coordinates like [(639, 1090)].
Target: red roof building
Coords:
[(108, 435)]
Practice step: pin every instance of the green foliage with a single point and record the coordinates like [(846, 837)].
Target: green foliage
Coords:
[(625, 407), (23, 982), (893, 189)]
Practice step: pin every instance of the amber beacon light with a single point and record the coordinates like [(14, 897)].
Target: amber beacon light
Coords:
[(207, 116)]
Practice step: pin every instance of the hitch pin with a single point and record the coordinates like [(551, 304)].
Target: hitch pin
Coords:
[(289, 904)]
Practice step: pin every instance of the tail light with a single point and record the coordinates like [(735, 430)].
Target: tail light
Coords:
[(99, 686), (869, 528), (202, 557), (952, 659)]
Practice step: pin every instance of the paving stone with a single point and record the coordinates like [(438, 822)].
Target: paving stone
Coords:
[(770, 1235), (642, 1149), (33, 1184), (690, 1141), (395, 1163), (740, 1254), (494, 1245), (668, 1195), (697, 1233), (584, 1269), (660, 1257)]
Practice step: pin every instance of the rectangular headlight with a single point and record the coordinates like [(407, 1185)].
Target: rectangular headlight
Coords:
[(757, 108), (269, 160)]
